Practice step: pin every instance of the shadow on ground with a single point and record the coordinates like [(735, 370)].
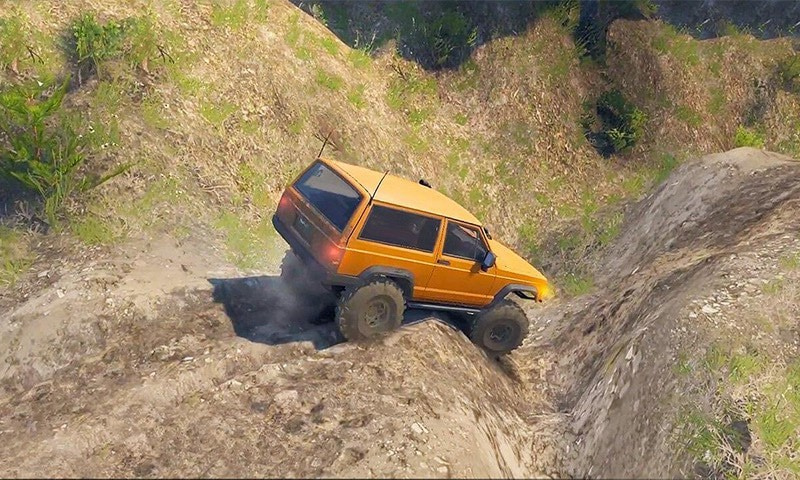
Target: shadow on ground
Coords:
[(265, 309)]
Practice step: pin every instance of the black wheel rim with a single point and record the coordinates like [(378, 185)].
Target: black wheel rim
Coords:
[(377, 315), (501, 336)]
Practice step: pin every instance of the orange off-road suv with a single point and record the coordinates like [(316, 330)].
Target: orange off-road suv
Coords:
[(382, 243)]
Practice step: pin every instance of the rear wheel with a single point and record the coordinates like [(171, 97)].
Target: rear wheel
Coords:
[(370, 310), (500, 329)]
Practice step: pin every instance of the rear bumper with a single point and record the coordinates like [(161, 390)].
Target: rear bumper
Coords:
[(327, 276)]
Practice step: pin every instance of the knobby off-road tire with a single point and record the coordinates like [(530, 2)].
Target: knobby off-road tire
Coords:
[(500, 329), (370, 310)]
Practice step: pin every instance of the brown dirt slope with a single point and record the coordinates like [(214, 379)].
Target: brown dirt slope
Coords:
[(136, 374)]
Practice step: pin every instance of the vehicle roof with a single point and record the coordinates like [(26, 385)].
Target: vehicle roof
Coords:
[(404, 193)]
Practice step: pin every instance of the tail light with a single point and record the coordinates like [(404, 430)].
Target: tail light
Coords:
[(284, 203), (332, 253)]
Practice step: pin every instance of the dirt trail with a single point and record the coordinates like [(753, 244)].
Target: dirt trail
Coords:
[(162, 363)]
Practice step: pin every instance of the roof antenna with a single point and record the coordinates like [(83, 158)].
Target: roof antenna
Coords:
[(372, 197), (324, 143)]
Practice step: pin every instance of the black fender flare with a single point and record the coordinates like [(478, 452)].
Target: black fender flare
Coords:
[(404, 278), (523, 291)]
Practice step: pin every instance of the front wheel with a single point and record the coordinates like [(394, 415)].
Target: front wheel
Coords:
[(500, 329), (370, 310)]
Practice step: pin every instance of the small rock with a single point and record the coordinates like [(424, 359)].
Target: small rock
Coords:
[(44, 273), (692, 315), (709, 310), (187, 359), (60, 293), (416, 427), (443, 469)]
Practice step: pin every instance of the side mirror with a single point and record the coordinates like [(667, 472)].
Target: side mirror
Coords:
[(488, 261)]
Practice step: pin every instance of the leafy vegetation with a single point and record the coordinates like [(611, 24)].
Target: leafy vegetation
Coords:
[(137, 40), (15, 257), (613, 124), (789, 72), (746, 137), (15, 42), (43, 153)]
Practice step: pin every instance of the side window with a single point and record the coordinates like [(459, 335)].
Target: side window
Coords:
[(401, 229), (464, 242)]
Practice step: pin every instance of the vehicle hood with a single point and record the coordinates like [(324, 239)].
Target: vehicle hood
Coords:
[(515, 269)]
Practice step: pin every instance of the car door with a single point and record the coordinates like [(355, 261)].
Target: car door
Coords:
[(395, 238), (457, 276)]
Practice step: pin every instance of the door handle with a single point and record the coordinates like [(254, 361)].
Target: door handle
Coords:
[(443, 261)]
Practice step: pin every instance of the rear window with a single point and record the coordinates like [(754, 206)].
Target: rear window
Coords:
[(401, 229), (329, 193)]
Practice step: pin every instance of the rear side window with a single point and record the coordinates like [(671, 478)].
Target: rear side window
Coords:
[(329, 193), (464, 242), (401, 229)]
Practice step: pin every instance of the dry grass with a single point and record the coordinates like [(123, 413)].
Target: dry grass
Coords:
[(755, 378), (254, 86)]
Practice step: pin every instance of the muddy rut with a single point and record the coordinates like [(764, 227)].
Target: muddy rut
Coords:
[(165, 361)]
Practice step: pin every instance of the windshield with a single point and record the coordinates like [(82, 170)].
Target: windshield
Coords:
[(329, 193)]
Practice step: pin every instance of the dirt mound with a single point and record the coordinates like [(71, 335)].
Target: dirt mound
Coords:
[(163, 363), (616, 351)]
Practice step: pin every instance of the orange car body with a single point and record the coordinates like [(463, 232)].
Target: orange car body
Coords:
[(354, 223)]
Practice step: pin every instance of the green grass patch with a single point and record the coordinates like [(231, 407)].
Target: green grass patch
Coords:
[(152, 113), (746, 137), (295, 127), (92, 230), (328, 44), (409, 92), (774, 426), (717, 102), (359, 58), (576, 284), (416, 143), (327, 80), (247, 245), (791, 261), (356, 96), (688, 116), (773, 287), (217, 113), (743, 367), (235, 14), (15, 256)]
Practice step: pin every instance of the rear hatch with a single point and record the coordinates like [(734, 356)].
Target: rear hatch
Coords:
[(317, 210)]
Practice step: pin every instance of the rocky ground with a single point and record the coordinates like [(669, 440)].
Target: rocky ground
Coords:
[(166, 361)]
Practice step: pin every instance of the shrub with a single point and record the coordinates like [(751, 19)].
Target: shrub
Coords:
[(444, 41), (12, 42), (135, 39), (789, 72), (746, 137), (41, 150), (94, 43), (621, 123)]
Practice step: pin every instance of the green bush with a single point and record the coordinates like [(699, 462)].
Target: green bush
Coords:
[(12, 42), (94, 43), (443, 41), (746, 137), (621, 124), (789, 71), (134, 39), (41, 151)]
